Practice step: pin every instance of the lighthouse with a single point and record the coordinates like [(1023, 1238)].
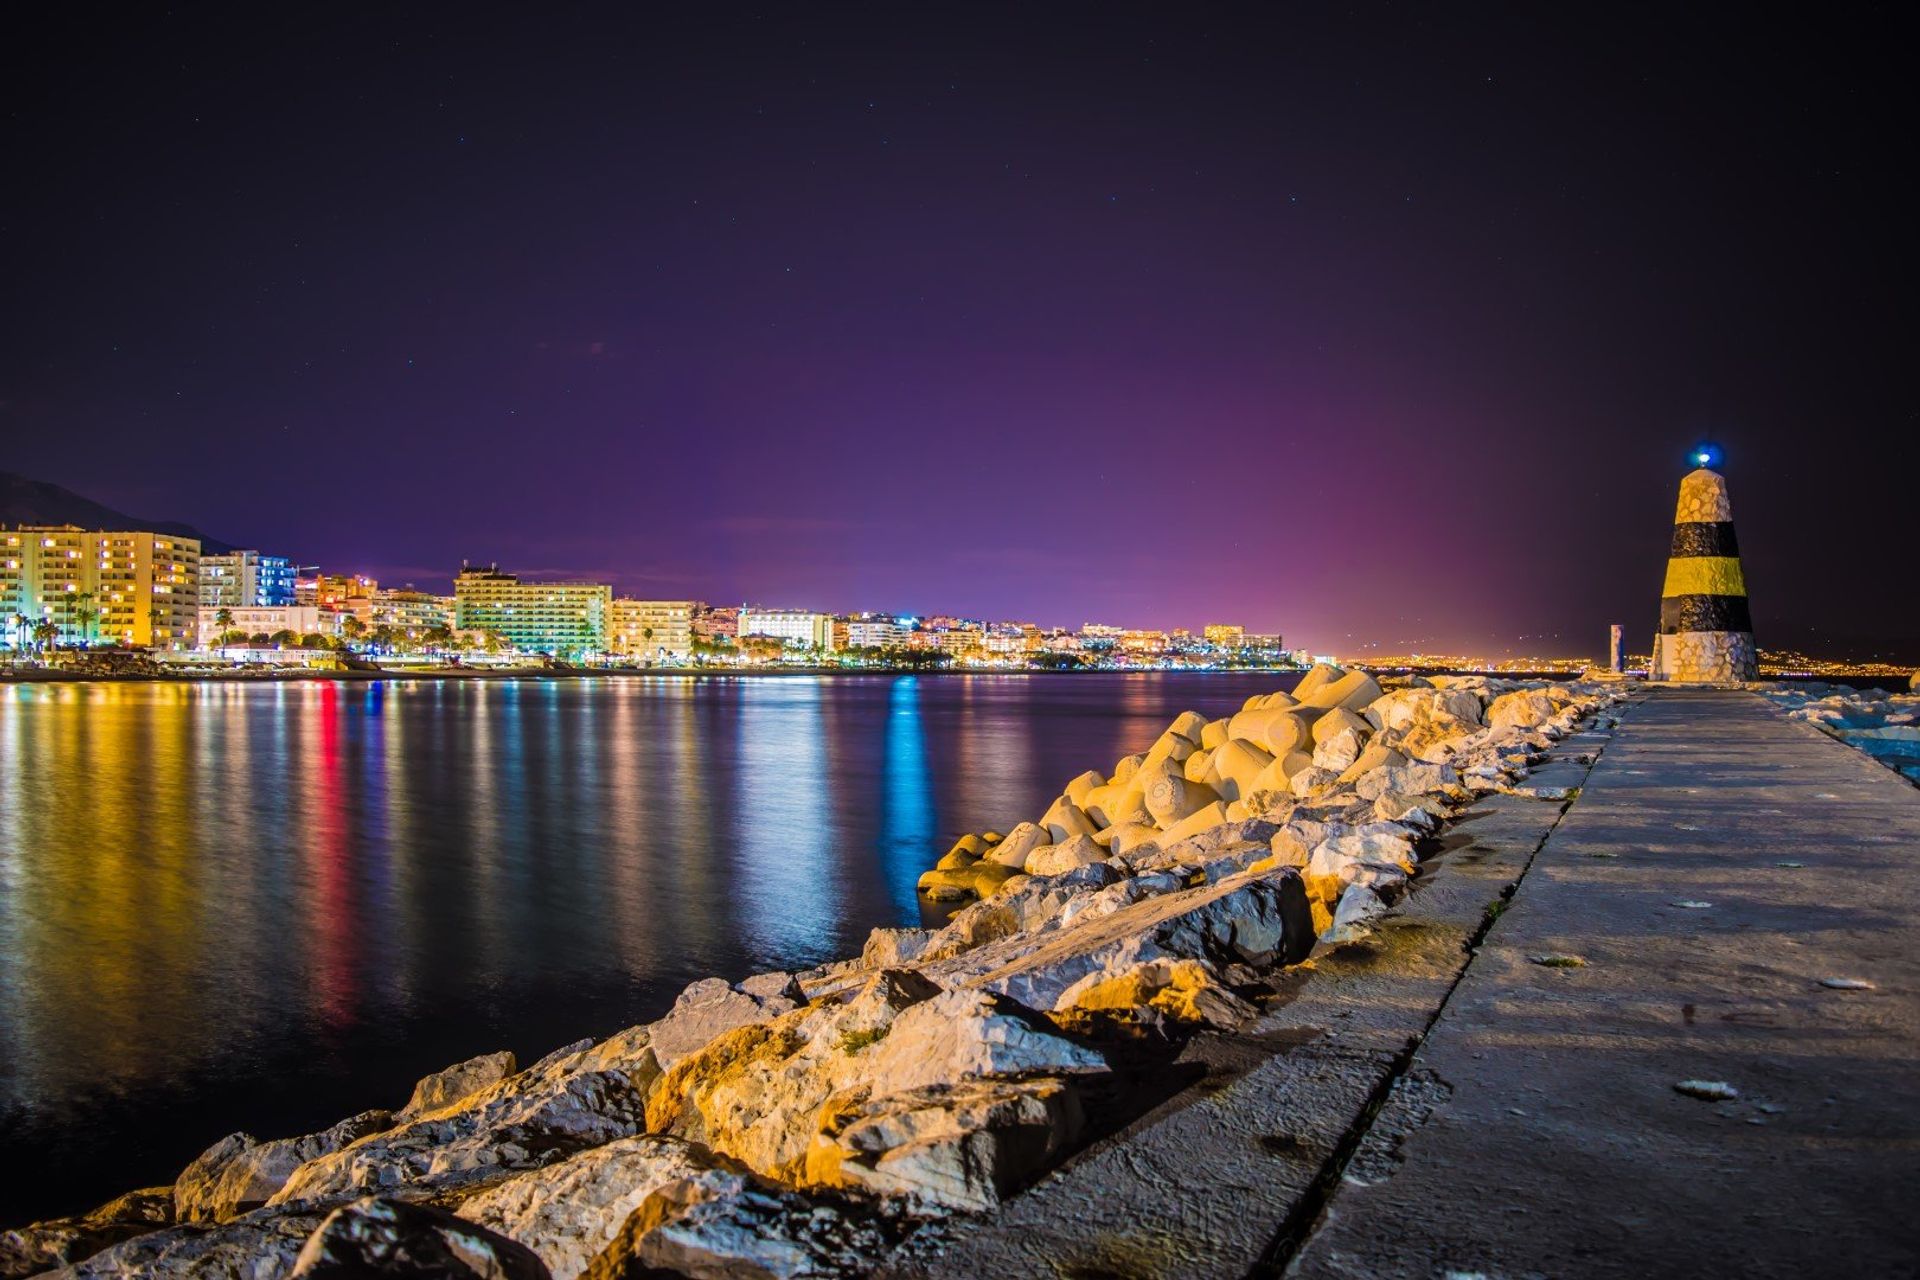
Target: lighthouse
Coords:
[(1706, 632)]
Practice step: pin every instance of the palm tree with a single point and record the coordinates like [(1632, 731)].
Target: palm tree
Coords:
[(46, 633), (88, 615), (154, 614)]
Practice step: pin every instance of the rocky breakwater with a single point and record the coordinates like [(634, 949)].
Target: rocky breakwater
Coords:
[(801, 1124), (1884, 725)]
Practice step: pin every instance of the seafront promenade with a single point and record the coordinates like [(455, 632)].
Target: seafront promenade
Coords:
[(1488, 1085)]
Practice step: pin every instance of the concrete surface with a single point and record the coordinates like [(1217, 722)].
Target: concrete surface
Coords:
[(1240, 1146), (1537, 1131)]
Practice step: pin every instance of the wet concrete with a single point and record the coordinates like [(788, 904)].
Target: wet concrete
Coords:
[(1720, 862)]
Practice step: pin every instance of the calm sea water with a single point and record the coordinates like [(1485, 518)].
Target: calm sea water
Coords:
[(267, 907)]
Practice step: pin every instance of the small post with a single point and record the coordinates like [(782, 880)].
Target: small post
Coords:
[(1616, 645)]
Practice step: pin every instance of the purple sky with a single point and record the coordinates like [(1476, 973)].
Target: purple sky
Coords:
[(1386, 325)]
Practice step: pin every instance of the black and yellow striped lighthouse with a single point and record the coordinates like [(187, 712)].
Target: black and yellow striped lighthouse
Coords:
[(1706, 632)]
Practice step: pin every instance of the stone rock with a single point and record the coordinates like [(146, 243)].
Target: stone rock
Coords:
[(380, 1237), (1123, 893), (231, 1178), (1256, 920), (1338, 752), (706, 1009), (1213, 734), (1030, 906), (947, 1148), (1359, 908), (1123, 769), (955, 860), (255, 1246), (1310, 781), (1186, 991), (459, 1081), (568, 1213), (755, 1094), (722, 1225), (1409, 779), (1374, 859), (893, 948), (60, 1242), (514, 1126), (1055, 859), (1521, 709), (1424, 813), (963, 1035), (1288, 848), (1019, 842)]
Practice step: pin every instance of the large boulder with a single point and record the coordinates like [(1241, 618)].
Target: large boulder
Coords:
[(1521, 709), (568, 1213), (760, 1094), (460, 1081), (238, 1174), (1186, 991), (723, 1225), (60, 1242), (254, 1246), (708, 1008), (947, 1148), (1261, 920), (380, 1237), (514, 1126)]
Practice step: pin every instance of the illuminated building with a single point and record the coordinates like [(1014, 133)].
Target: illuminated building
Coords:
[(794, 626), (651, 628), (245, 578), (407, 610), (121, 587), (253, 620), (1225, 635), (876, 634), (565, 619), (715, 624)]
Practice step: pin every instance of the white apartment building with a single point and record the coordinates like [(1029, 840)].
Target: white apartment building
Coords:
[(810, 630)]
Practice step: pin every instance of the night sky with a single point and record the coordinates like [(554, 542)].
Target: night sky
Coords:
[(1373, 324)]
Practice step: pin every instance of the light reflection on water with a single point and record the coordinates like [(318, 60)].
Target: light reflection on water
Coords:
[(268, 906)]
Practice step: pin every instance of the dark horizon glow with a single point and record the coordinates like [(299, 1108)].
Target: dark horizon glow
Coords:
[(1368, 327)]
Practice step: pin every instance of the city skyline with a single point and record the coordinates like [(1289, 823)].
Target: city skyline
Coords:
[(1380, 342)]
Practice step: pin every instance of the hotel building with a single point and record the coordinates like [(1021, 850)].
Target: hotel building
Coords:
[(565, 619), (252, 620), (245, 578), (117, 587), (651, 628), (810, 630)]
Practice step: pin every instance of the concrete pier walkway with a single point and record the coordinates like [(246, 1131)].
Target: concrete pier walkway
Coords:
[(1721, 864)]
